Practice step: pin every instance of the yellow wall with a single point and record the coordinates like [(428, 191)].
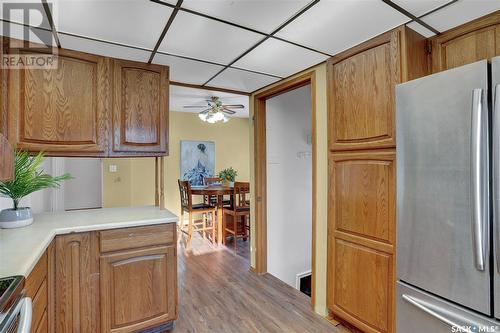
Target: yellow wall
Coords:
[(133, 184), (321, 184)]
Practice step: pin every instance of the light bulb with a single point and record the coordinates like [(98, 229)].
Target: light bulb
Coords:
[(203, 116)]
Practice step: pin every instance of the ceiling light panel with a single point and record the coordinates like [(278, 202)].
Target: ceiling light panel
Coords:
[(460, 12), (198, 37), (420, 7), (261, 15), (279, 58), (236, 79), (335, 25), (132, 22), (103, 49), (186, 70)]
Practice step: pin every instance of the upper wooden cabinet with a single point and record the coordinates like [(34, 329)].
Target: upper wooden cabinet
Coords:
[(140, 112), (361, 85), (61, 111), (7, 160), (88, 105), (468, 43)]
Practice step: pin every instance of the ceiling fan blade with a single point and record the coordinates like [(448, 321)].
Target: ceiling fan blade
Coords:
[(234, 106), (194, 106), (228, 111), (204, 111)]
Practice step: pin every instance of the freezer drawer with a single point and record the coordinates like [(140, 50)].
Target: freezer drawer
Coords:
[(417, 312)]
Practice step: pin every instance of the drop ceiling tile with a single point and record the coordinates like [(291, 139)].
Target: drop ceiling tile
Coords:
[(261, 15), (279, 58), (132, 22), (236, 79), (181, 96), (32, 34), (101, 48), (15, 10), (336, 25), (186, 70), (460, 12), (420, 29), (420, 7), (198, 37)]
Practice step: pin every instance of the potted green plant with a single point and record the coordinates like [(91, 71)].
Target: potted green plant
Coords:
[(228, 176), (28, 178)]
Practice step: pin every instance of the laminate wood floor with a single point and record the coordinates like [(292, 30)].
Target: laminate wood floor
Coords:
[(218, 293)]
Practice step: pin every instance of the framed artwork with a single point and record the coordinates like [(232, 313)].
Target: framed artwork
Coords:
[(197, 160)]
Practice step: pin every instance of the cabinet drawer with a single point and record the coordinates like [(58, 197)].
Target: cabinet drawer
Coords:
[(136, 237)]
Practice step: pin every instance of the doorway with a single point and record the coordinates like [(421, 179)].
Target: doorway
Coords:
[(262, 197), (289, 184)]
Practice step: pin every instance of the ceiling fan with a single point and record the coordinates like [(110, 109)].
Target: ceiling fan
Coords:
[(215, 110)]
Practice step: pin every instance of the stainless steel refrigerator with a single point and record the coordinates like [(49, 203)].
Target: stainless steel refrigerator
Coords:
[(448, 201)]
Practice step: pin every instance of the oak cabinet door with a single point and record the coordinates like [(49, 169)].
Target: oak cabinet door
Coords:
[(140, 112), (138, 289), (361, 238), (362, 195), (75, 287), (361, 85), (7, 160), (61, 111), (468, 43), (363, 287)]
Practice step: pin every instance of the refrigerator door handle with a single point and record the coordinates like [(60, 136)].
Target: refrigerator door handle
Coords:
[(479, 177), (429, 310), (496, 173)]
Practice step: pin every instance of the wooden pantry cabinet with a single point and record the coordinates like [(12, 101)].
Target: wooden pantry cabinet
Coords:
[(119, 280), (362, 175), (468, 43), (361, 85), (88, 105)]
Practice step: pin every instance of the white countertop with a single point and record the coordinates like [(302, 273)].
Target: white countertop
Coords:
[(21, 248)]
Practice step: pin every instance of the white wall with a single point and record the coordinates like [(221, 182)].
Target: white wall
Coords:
[(85, 191), (289, 184)]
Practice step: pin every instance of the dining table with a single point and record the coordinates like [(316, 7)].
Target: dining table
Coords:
[(218, 191)]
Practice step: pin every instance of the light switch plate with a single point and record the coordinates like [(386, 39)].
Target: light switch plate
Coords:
[(113, 168)]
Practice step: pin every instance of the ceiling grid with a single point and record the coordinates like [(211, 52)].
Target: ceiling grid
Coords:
[(273, 40)]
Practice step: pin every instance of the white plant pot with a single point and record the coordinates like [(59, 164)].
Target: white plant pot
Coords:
[(15, 218)]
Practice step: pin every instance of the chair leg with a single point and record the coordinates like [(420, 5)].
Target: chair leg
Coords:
[(204, 225), (190, 229), (213, 227)]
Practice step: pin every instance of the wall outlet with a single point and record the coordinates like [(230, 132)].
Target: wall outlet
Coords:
[(113, 168)]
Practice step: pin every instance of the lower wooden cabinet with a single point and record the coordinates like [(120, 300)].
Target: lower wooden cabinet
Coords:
[(136, 289), (361, 239), (98, 289)]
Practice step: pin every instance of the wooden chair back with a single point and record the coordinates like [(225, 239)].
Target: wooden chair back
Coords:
[(241, 195), (211, 180), (185, 192)]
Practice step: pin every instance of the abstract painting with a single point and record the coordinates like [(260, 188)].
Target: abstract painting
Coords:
[(197, 160)]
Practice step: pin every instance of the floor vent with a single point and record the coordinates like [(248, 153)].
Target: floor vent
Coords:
[(303, 283)]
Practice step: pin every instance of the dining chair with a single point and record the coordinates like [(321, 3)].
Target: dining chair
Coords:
[(212, 199), (187, 206), (238, 225)]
